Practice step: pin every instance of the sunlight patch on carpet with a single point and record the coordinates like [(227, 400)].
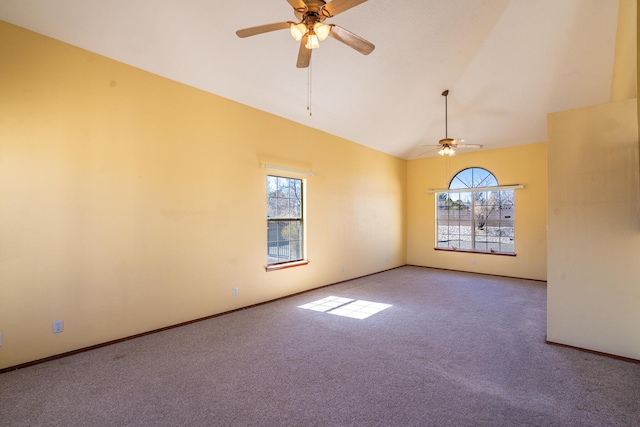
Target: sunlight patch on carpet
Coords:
[(360, 309), (346, 307), (326, 304)]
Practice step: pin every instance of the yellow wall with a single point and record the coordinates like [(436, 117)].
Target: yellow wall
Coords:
[(526, 165), (624, 84), (129, 202), (593, 288)]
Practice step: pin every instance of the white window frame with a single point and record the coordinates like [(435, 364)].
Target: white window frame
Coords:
[(274, 236), (497, 245)]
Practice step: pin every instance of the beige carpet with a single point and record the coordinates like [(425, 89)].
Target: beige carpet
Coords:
[(453, 349)]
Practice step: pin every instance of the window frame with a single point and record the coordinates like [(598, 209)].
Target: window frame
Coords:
[(470, 205), (281, 263)]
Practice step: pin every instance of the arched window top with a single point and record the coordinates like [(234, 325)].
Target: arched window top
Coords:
[(473, 178)]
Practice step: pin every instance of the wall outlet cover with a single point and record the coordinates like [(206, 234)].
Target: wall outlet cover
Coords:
[(58, 326)]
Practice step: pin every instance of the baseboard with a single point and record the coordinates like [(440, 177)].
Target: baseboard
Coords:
[(599, 353), (477, 272)]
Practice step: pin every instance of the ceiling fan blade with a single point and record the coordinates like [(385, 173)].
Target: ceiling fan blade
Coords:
[(297, 4), (253, 31), (304, 54), (335, 7), (299, 7), (351, 40), (424, 153), (454, 144)]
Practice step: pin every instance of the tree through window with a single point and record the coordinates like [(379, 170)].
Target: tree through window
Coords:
[(472, 216), (284, 220)]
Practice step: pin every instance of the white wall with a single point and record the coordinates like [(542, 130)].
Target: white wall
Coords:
[(594, 229)]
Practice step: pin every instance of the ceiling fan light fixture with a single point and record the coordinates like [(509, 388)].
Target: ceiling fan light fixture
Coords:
[(312, 41), (297, 30), (447, 151), (321, 30)]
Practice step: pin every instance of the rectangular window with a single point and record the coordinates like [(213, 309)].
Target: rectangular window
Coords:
[(478, 221), (285, 231)]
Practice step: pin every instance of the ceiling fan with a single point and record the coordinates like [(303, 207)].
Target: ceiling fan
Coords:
[(310, 29), (448, 145)]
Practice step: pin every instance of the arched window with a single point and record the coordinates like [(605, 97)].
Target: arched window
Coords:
[(472, 216), (473, 178)]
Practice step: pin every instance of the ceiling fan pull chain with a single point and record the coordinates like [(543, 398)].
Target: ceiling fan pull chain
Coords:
[(309, 89)]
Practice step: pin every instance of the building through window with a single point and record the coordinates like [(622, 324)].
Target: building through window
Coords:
[(284, 220), (472, 216)]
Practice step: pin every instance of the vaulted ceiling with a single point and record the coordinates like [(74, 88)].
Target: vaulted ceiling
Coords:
[(507, 63)]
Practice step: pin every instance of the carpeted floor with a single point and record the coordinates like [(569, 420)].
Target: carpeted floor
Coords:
[(454, 349)]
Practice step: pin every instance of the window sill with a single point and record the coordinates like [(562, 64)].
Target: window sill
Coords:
[(475, 252), (282, 266)]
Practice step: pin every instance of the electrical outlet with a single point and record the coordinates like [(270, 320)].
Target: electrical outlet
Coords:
[(473, 262), (0, 339), (235, 292), (58, 326), (342, 269)]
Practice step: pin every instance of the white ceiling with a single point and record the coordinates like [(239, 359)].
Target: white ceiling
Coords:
[(507, 63)]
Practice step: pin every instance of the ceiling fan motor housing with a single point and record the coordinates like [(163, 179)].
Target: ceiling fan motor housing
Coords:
[(448, 142), (313, 11)]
